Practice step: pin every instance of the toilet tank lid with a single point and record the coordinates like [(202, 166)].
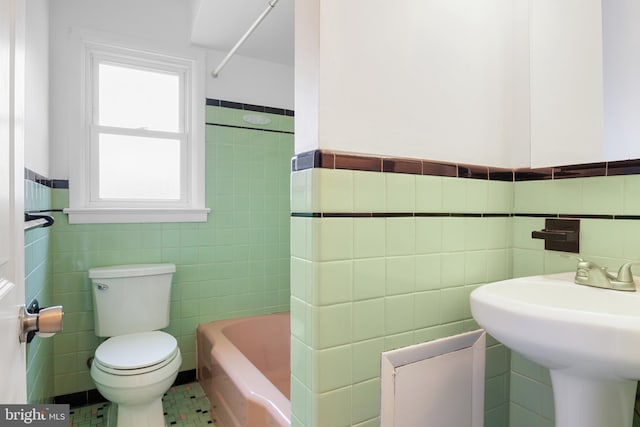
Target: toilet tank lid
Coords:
[(130, 270)]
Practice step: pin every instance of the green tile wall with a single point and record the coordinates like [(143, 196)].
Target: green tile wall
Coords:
[(364, 285), (608, 242), (38, 285), (235, 264)]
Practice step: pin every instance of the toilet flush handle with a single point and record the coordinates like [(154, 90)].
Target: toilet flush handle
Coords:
[(102, 286)]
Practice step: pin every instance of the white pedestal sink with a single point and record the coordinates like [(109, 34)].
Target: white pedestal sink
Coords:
[(589, 338)]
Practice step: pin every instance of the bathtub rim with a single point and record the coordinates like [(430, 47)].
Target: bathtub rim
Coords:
[(250, 381)]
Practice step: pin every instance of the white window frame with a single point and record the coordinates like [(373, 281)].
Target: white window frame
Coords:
[(84, 204)]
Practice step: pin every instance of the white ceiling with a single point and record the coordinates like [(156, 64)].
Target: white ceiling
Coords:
[(219, 24)]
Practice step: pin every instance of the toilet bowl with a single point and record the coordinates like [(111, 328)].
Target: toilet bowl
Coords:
[(137, 363), (134, 371)]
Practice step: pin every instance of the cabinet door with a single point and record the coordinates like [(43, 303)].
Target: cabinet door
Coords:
[(566, 82)]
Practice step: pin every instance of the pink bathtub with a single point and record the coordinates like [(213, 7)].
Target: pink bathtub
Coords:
[(244, 368)]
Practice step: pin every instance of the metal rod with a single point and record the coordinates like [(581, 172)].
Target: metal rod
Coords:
[(246, 35)]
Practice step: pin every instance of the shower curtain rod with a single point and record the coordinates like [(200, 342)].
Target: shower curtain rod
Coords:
[(246, 35)]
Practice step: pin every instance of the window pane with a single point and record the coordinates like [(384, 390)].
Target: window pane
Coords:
[(134, 167), (134, 98)]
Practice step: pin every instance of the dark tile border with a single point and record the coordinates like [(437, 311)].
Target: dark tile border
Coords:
[(51, 183), (249, 107), (93, 396), (580, 171), (336, 160)]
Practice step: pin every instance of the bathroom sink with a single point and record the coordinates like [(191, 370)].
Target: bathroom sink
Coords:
[(588, 337)]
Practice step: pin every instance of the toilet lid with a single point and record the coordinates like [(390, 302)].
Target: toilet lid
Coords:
[(135, 351)]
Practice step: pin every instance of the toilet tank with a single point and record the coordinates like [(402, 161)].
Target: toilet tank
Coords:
[(131, 298)]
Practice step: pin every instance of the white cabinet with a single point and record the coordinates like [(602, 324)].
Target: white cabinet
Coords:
[(584, 81), (566, 90)]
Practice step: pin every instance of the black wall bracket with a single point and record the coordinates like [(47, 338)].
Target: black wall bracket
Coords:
[(560, 235)]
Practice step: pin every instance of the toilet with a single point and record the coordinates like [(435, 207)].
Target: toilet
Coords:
[(137, 363)]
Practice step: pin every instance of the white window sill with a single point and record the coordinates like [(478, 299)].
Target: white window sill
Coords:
[(135, 215)]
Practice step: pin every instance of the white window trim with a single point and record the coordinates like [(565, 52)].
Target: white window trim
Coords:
[(83, 210)]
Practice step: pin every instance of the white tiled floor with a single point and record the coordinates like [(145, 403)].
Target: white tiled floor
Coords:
[(184, 406)]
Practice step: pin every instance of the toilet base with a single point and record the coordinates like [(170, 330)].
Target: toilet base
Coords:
[(148, 415)]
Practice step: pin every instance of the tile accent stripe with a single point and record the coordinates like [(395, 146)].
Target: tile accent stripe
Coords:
[(248, 127), (335, 160), (455, 215), (396, 215), (249, 107)]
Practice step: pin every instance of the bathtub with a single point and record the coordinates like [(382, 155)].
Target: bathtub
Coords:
[(244, 368)]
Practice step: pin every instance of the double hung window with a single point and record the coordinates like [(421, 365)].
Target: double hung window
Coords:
[(142, 153)]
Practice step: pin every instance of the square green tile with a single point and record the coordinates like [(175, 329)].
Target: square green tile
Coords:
[(331, 325), (453, 234), (452, 269), (369, 194), (398, 314), (454, 304), (331, 239), (527, 262), (369, 237), (369, 278), (476, 233), (332, 408), (366, 359), (428, 273), (475, 267), (533, 197), (331, 368), (428, 235), (368, 321), (428, 193), (500, 197), (400, 192), (300, 192), (365, 401), (631, 195), (427, 309), (454, 193), (522, 229), (566, 196), (400, 236), (401, 275), (335, 187), (332, 282), (603, 195), (476, 195)]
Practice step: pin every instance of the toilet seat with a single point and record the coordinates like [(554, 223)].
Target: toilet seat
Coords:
[(137, 353)]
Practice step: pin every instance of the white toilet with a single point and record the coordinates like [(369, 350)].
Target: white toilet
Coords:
[(138, 363)]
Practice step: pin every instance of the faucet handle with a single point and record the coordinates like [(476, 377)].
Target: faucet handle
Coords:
[(624, 273)]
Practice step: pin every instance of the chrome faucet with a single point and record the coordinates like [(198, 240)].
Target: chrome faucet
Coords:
[(590, 274)]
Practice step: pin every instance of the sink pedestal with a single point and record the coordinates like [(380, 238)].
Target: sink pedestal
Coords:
[(590, 402)]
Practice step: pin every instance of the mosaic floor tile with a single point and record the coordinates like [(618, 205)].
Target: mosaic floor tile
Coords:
[(184, 406)]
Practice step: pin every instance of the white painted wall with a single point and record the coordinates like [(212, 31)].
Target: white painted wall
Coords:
[(165, 24), (432, 79), (36, 129)]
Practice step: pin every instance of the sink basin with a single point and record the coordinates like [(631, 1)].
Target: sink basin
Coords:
[(589, 338)]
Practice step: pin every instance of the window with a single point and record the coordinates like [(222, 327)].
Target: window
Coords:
[(142, 149)]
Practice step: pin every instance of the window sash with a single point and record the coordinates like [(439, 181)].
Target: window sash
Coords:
[(95, 130), (94, 194)]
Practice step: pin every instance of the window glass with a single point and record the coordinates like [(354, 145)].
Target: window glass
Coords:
[(135, 98), (132, 167)]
